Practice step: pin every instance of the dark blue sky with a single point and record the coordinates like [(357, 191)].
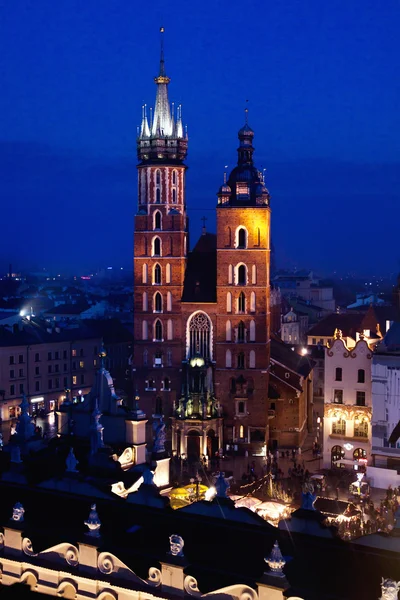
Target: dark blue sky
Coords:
[(322, 79)]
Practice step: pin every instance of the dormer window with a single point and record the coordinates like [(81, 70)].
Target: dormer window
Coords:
[(242, 190)]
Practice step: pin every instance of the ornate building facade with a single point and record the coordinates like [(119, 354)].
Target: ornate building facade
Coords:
[(202, 317)]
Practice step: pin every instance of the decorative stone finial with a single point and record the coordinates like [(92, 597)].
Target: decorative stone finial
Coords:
[(275, 561), (221, 485), (18, 512), (71, 462), (93, 523), (148, 477), (390, 589), (338, 334), (176, 545)]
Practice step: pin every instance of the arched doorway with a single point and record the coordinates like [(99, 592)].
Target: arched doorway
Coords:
[(337, 453), (212, 443), (193, 446)]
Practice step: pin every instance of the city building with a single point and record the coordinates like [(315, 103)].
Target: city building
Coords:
[(347, 436), (41, 358), (201, 318), (294, 327), (386, 401), (306, 286)]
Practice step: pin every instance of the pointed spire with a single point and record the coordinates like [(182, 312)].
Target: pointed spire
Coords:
[(144, 129), (275, 561), (162, 61)]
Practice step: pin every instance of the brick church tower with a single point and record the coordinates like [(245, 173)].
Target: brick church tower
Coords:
[(243, 286), (201, 318), (160, 247)]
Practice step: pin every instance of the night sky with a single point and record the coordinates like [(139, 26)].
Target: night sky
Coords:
[(322, 81)]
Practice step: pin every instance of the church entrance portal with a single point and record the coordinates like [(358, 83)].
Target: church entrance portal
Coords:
[(212, 443), (193, 446)]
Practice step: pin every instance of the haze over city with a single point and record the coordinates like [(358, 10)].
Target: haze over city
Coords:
[(321, 80)]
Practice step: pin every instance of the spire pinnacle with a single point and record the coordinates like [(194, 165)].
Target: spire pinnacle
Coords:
[(162, 77), (246, 113)]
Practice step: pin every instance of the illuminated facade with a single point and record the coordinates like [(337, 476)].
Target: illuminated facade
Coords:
[(201, 318), (348, 404)]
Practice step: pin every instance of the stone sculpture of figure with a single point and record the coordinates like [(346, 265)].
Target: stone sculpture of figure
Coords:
[(209, 406), (93, 522), (18, 512), (221, 485), (308, 497), (176, 545), (189, 407), (71, 462), (159, 436), (390, 589)]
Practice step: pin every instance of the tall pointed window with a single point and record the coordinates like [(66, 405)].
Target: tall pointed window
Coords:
[(169, 301), (241, 241), (241, 276), (144, 330), (173, 195), (156, 246), (157, 220), (254, 274), (240, 360), (230, 274), (252, 331), (252, 359), (170, 332), (241, 332), (158, 331), (228, 359), (199, 330), (252, 302), (168, 273), (241, 303), (228, 331), (145, 303), (157, 274), (229, 302), (174, 177), (144, 273), (158, 196), (158, 302), (158, 177)]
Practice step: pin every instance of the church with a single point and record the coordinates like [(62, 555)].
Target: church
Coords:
[(201, 317)]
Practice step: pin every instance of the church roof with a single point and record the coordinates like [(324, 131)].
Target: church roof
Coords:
[(201, 271)]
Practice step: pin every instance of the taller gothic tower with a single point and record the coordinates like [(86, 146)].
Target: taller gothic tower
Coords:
[(160, 248)]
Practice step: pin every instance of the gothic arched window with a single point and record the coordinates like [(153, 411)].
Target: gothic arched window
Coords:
[(167, 383), (229, 302), (199, 330), (157, 220), (253, 302), (158, 177), (158, 302), (156, 246), (168, 273), (252, 359), (157, 274), (173, 195), (144, 330), (252, 331), (158, 196), (241, 332), (174, 177), (145, 306), (169, 301), (228, 331), (242, 238), (242, 303), (240, 360), (158, 331), (228, 359), (242, 275)]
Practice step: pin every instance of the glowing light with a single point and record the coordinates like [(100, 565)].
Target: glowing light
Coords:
[(210, 494), (304, 351), (348, 446), (22, 313)]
